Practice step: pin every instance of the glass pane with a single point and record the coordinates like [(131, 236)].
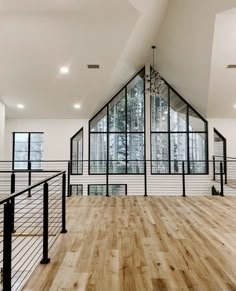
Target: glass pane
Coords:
[(160, 153), (117, 113), (98, 153), (77, 153), (36, 137), (117, 153), (178, 144), (76, 190), (135, 104), (99, 122), (22, 137), (178, 113), (20, 165), (159, 110), (197, 152), (135, 150), (117, 146), (195, 122), (117, 189), (97, 190)]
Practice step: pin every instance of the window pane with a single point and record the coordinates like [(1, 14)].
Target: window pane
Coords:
[(117, 189), (135, 104), (117, 153), (178, 142), (99, 122), (98, 153), (135, 149), (197, 152), (160, 153), (76, 190), (36, 137), (195, 122), (97, 190), (77, 153), (159, 110), (117, 113), (178, 113)]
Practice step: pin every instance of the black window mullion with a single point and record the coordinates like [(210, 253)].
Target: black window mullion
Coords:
[(126, 133), (29, 150), (188, 150), (169, 140)]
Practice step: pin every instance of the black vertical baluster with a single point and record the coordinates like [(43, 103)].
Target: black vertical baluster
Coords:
[(29, 177), (68, 179), (7, 246), (45, 259), (221, 179), (13, 183), (145, 178), (63, 203), (183, 179), (214, 168)]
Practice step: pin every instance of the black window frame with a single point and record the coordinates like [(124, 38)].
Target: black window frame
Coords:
[(126, 192), (73, 185), (29, 144), (187, 132), (126, 132), (224, 157), (71, 152)]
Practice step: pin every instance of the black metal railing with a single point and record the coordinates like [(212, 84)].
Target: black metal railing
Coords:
[(29, 225)]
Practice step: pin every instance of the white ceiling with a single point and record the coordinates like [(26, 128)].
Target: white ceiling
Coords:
[(222, 91), (37, 37)]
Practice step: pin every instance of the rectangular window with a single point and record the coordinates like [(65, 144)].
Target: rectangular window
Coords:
[(27, 146), (101, 189), (76, 144), (76, 190)]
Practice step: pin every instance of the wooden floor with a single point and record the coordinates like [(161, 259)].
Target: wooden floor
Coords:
[(138, 243)]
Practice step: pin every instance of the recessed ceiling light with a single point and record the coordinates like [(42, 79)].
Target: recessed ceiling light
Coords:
[(235, 106), (20, 106), (77, 106), (64, 70)]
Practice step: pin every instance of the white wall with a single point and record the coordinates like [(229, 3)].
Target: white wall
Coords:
[(185, 47), (57, 134), (227, 128), (2, 130)]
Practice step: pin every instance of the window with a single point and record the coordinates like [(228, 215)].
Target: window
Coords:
[(27, 146), (101, 189), (76, 190), (220, 150), (117, 132), (178, 133), (76, 153)]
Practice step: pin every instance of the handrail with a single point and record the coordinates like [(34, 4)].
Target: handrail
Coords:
[(30, 188)]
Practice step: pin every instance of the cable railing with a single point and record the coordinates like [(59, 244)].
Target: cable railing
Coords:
[(29, 226)]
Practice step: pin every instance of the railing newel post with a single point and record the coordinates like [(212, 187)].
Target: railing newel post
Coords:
[(183, 180), (69, 169), (145, 178), (221, 179), (64, 203), (214, 168), (45, 259), (7, 245), (29, 177)]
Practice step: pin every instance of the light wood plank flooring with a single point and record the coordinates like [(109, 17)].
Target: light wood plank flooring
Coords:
[(138, 243)]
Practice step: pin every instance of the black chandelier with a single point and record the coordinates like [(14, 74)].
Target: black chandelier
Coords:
[(154, 78)]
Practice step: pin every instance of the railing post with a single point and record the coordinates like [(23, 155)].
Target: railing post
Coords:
[(45, 259), (225, 170), (7, 246), (221, 179), (29, 177), (183, 179), (13, 183), (63, 203), (214, 168), (68, 179), (107, 179), (145, 178)]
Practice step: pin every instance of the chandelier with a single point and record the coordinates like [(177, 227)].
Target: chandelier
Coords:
[(154, 78)]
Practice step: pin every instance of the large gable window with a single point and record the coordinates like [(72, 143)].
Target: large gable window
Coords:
[(117, 132), (178, 133)]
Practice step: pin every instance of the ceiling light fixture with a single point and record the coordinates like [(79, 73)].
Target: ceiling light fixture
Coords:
[(235, 106), (20, 106), (64, 70), (77, 106)]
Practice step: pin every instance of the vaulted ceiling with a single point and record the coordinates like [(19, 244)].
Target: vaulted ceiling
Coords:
[(38, 37)]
